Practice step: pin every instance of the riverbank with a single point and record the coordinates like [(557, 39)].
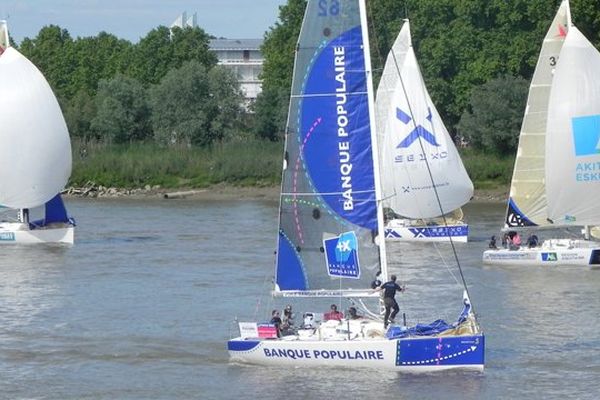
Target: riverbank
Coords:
[(224, 192)]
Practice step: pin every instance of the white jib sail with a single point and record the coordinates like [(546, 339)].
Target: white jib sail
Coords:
[(528, 189), (573, 135), (35, 150), (411, 129)]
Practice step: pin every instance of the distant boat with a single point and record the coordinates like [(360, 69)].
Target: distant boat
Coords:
[(35, 152), (331, 215), (556, 179), (411, 202)]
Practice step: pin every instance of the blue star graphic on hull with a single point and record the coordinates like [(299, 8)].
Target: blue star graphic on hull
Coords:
[(419, 130)]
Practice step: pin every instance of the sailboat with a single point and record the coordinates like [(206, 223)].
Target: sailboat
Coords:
[(35, 153), (330, 215), (556, 178), (413, 151)]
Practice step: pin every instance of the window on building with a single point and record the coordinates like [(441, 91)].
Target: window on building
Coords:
[(246, 55)]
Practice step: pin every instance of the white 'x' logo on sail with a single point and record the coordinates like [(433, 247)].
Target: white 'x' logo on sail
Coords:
[(343, 246)]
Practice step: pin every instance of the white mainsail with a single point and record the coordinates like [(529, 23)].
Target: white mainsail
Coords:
[(35, 150), (527, 202), (411, 129), (573, 167)]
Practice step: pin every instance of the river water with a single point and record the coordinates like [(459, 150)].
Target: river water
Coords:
[(142, 306)]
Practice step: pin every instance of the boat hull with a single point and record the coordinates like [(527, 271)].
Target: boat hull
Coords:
[(552, 253), (414, 354), (427, 233), (12, 233)]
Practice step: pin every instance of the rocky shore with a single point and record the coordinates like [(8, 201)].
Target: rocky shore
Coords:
[(220, 192)]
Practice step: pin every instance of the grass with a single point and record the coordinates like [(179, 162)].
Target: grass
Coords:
[(255, 163), (248, 163)]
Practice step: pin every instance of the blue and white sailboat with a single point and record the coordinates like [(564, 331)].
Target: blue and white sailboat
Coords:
[(556, 179), (416, 150), (35, 152), (331, 216)]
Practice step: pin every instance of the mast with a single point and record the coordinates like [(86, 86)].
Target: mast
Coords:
[(378, 191)]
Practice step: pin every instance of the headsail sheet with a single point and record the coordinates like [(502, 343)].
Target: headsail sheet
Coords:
[(35, 150), (328, 212), (415, 142), (573, 137), (527, 201)]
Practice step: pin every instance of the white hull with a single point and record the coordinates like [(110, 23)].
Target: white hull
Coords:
[(360, 350), (399, 230), (552, 252), (11, 232)]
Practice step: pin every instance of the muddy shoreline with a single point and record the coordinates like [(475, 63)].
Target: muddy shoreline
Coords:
[(222, 192)]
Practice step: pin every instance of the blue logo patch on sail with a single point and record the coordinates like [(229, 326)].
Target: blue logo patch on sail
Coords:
[(341, 254), (419, 130), (586, 135)]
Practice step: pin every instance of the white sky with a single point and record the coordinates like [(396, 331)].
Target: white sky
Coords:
[(132, 19)]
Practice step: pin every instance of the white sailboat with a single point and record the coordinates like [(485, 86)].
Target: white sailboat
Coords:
[(416, 150), (556, 179), (35, 152), (331, 214)]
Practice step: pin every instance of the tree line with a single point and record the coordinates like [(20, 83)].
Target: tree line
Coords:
[(167, 88), (477, 58)]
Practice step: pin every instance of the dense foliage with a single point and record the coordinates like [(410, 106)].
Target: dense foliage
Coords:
[(461, 46), (114, 91)]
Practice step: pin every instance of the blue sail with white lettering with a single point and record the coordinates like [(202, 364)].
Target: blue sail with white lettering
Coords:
[(328, 210)]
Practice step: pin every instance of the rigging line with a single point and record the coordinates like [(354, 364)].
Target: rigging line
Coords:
[(437, 196)]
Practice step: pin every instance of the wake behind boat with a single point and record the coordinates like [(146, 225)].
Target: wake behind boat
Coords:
[(417, 150), (330, 217), (556, 178), (35, 153)]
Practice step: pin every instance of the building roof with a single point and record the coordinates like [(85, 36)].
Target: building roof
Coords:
[(235, 44)]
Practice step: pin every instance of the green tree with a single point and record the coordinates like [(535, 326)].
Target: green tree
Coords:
[(123, 114), (493, 119), (96, 58), (79, 113), (162, 50), (194, 106), (278, 50), (51, 52)]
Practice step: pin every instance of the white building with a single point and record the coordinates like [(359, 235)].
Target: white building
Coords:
[(244, 58)]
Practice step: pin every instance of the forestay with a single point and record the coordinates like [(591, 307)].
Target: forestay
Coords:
[(416, 148), (329, 216)]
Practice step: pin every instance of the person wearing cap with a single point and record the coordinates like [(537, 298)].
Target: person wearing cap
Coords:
[(333, 314), (389, 301)]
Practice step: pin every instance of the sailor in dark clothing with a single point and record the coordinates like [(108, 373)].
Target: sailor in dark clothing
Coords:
[(389, 292)]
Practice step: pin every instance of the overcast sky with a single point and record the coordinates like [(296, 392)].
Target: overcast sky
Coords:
[(132, 19)]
